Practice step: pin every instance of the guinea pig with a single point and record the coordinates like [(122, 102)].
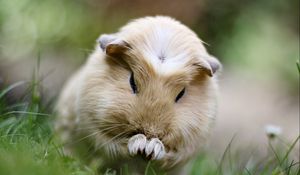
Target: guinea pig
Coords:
[(147, 92)]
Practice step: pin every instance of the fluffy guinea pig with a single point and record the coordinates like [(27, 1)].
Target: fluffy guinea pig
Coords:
[(147, 92)]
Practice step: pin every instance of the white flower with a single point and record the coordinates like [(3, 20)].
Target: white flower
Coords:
[(273, 130)]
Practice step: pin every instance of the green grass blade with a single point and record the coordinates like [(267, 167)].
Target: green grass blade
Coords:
[(289, 150), (24, 112), (148, 168), (9, 88)]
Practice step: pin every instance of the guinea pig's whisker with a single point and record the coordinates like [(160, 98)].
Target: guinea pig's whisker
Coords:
[(90, 153), (105, 124), (107, 121), (104, 131), (83, 138), (110, 140), (105, 143), (99, 127), (102, 121)]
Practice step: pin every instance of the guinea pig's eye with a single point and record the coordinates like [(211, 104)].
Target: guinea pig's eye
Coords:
[(132, 83), (181, 93)]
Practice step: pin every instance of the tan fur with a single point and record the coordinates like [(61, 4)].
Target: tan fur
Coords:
[(98, 103)]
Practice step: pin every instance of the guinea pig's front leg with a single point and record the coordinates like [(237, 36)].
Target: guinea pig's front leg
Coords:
[(153, 148), (136, 144)]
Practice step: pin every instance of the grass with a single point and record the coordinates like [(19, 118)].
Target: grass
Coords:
[(28, 147)]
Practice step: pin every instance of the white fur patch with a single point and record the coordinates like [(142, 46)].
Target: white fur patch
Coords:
[(165, 43)]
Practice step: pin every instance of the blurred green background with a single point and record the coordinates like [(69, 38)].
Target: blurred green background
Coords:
[(259, 37), (257, 42)]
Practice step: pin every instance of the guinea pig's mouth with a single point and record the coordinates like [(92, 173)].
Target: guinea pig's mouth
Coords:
[(133, 133)]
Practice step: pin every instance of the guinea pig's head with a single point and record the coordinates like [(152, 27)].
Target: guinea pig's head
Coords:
[(153, 77)]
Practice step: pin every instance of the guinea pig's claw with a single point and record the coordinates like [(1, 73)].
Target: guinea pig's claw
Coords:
[(153, 149), (137, 144)]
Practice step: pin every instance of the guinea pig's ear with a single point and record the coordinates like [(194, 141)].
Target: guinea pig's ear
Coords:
[(210, 65), (112, 45)]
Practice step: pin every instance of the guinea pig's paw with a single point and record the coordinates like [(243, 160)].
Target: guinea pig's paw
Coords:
[(155, 149), (137, 143)]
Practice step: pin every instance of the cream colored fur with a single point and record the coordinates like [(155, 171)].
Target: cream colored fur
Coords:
[(97, 105)]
